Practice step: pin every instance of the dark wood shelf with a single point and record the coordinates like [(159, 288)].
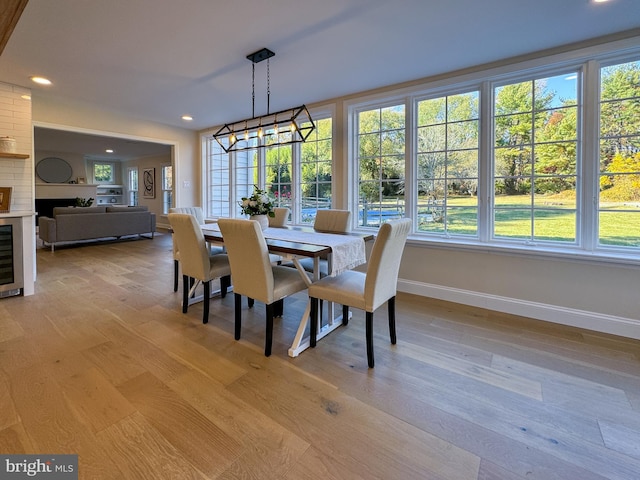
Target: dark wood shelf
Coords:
[(22, 156)]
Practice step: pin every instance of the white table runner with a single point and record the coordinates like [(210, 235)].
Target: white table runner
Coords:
[(347, 251)]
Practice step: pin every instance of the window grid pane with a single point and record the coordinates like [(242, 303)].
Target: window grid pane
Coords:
[(315, 169), (381, 165), (619, 197), (447, 157), (535, 160)]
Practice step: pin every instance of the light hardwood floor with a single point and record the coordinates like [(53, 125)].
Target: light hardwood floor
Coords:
[(101, 362)]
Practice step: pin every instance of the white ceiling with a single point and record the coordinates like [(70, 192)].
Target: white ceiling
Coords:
[(160, 59), (47, 140)]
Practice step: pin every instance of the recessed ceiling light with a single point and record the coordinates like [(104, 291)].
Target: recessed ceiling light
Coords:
[(108, 150), (41, 80), (600, 1), (187, 118)]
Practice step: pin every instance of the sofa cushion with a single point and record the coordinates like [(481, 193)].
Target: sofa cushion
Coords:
[(124, 208), (76, 210)]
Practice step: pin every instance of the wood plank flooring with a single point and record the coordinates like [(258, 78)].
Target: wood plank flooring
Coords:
[(101, 362)]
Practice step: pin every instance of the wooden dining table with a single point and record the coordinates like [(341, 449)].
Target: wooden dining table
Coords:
[(342, 250)]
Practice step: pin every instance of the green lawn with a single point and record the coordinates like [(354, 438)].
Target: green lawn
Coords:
[(554, 219)]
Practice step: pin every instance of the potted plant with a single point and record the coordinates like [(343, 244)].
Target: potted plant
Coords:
[(258, 206)]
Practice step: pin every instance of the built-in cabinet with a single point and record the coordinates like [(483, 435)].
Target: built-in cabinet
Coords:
[(110, 194)]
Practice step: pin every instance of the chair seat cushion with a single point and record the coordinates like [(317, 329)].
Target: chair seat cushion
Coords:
[(345, 289), (286, 281), (218, 266)]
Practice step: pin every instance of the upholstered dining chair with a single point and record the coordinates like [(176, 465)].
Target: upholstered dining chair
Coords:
[(199, 214), (328, 221), (281, 217), (254, 275), (366, 291), (197, 261)]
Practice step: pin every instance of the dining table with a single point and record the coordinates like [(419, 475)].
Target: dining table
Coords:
[(343, 251)]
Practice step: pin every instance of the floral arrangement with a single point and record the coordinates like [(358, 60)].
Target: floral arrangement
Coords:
[(259, 203)]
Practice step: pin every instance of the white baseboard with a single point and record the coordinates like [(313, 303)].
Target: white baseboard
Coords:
[(599, 322)]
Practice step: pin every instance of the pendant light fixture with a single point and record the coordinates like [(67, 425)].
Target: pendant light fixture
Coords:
[(293, 125)]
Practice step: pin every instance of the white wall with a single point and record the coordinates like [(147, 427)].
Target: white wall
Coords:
[(15, 121)]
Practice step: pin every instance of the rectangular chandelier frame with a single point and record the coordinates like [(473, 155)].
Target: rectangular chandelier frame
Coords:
[(293, 125)]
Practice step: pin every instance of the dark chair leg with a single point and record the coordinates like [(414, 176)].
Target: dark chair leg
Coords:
[(313, 325), (369, 332), (185, 293), (192, 282), (269, 334), (225, 283), (250, 302), (279, 308), (345, 314), (175, 275), (392, 319), (206, 300), (238, 314)]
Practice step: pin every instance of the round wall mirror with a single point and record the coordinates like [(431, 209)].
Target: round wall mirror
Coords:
[(54, 170)]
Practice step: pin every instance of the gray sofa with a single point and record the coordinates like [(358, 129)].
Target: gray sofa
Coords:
[(71, 224)]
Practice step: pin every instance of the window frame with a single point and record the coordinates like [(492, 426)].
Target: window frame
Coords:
[(588, 61)]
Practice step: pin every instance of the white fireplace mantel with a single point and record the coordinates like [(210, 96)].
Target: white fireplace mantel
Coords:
[(65, 190)]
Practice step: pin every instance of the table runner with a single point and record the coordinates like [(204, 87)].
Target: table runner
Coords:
[(347, 251)]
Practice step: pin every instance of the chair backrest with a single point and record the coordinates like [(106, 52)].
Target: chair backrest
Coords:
[(384, 263), (280, 218), (249, 258), (332, 220), (194, 255), (195, 211)]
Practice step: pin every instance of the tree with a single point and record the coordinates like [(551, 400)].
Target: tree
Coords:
[(518, 108)]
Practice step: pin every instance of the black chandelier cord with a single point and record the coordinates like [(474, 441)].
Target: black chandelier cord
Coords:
[(268, 88), (253, 90)]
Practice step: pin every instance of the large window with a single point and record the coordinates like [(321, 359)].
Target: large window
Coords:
[(546, 159), (167, 188), (104, 173), (316, 165), (619, 199), (297, 175), (447, 164), (381, 164), (535, 159), (132, 185)]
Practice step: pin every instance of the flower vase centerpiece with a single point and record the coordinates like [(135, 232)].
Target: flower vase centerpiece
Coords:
[(258, 206)]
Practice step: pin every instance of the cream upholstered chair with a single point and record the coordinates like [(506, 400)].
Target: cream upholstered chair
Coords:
[(329, 221), (196, 260), (366, 291), (280, 218), (332, 220), (253, 274), (199, 214)]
